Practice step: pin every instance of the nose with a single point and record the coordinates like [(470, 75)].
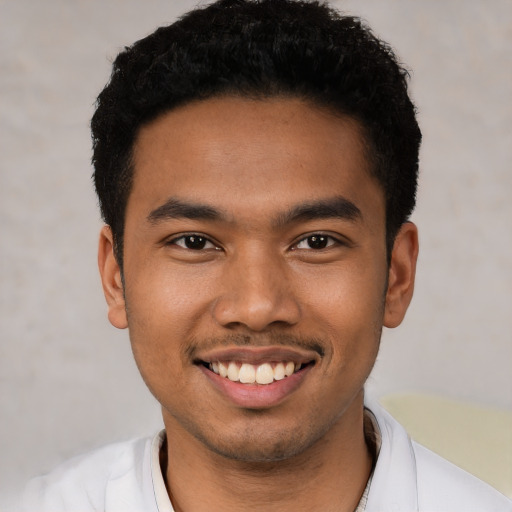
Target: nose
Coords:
[(257, 293)]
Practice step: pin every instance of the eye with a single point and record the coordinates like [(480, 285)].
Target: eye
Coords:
[(193, 242), (317, 241)]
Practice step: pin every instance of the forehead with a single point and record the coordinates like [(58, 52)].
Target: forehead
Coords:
[(250, 155)]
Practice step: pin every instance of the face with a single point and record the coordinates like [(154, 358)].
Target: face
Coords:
[(255, 273)]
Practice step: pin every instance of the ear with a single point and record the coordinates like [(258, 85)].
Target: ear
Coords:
[(111, 280), (402, 271)]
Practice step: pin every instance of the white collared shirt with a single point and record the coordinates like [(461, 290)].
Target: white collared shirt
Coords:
[(126, 477)]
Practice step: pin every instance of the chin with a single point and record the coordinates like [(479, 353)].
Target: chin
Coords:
[(259, 453), (262, 445)]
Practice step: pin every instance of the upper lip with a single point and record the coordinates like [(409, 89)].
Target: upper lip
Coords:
[(258, 355)]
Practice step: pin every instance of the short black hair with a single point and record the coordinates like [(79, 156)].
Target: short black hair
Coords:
[(260, 49)]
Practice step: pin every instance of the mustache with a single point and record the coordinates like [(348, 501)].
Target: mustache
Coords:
[(254, 340)]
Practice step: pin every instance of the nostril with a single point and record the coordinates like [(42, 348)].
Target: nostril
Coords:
[(255, 312)]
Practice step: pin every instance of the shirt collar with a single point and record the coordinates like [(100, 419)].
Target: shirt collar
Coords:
[(392, 483)]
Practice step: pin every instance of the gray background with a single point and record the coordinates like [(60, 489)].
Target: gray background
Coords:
[(67, 380)]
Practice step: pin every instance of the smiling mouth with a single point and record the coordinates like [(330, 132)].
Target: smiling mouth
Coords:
[(264, 373)]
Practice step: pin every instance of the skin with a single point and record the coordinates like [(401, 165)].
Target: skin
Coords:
[(258, 282)]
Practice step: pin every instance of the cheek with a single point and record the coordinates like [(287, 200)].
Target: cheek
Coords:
[(355, 290), (349, 308), (167, 299), (165, 310)]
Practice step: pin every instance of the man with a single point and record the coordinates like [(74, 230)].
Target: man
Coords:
[(256, 166)]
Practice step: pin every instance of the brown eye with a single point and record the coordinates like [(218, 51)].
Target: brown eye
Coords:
[(193, 242), (316, 241)]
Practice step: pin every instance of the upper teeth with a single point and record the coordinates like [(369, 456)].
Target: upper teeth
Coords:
[(246, 373)]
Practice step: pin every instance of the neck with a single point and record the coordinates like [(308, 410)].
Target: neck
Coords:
[(330, 475)]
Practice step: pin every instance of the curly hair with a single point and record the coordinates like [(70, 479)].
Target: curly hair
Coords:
[(260, 49)]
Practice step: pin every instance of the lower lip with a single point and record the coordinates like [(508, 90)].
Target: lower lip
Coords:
[(257, 396)]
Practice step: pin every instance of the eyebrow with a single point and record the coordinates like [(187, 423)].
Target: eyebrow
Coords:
[(175, 209), (335, 207)]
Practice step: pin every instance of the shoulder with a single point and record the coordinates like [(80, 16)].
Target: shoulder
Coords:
[(82, 483), (409, 477), (444, 486)]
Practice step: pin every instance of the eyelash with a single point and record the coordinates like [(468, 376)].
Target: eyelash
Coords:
[(194, 238), (318, 238), (202, 241)]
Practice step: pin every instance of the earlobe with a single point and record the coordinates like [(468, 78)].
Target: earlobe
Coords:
[(402, 271), (111, 280)]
